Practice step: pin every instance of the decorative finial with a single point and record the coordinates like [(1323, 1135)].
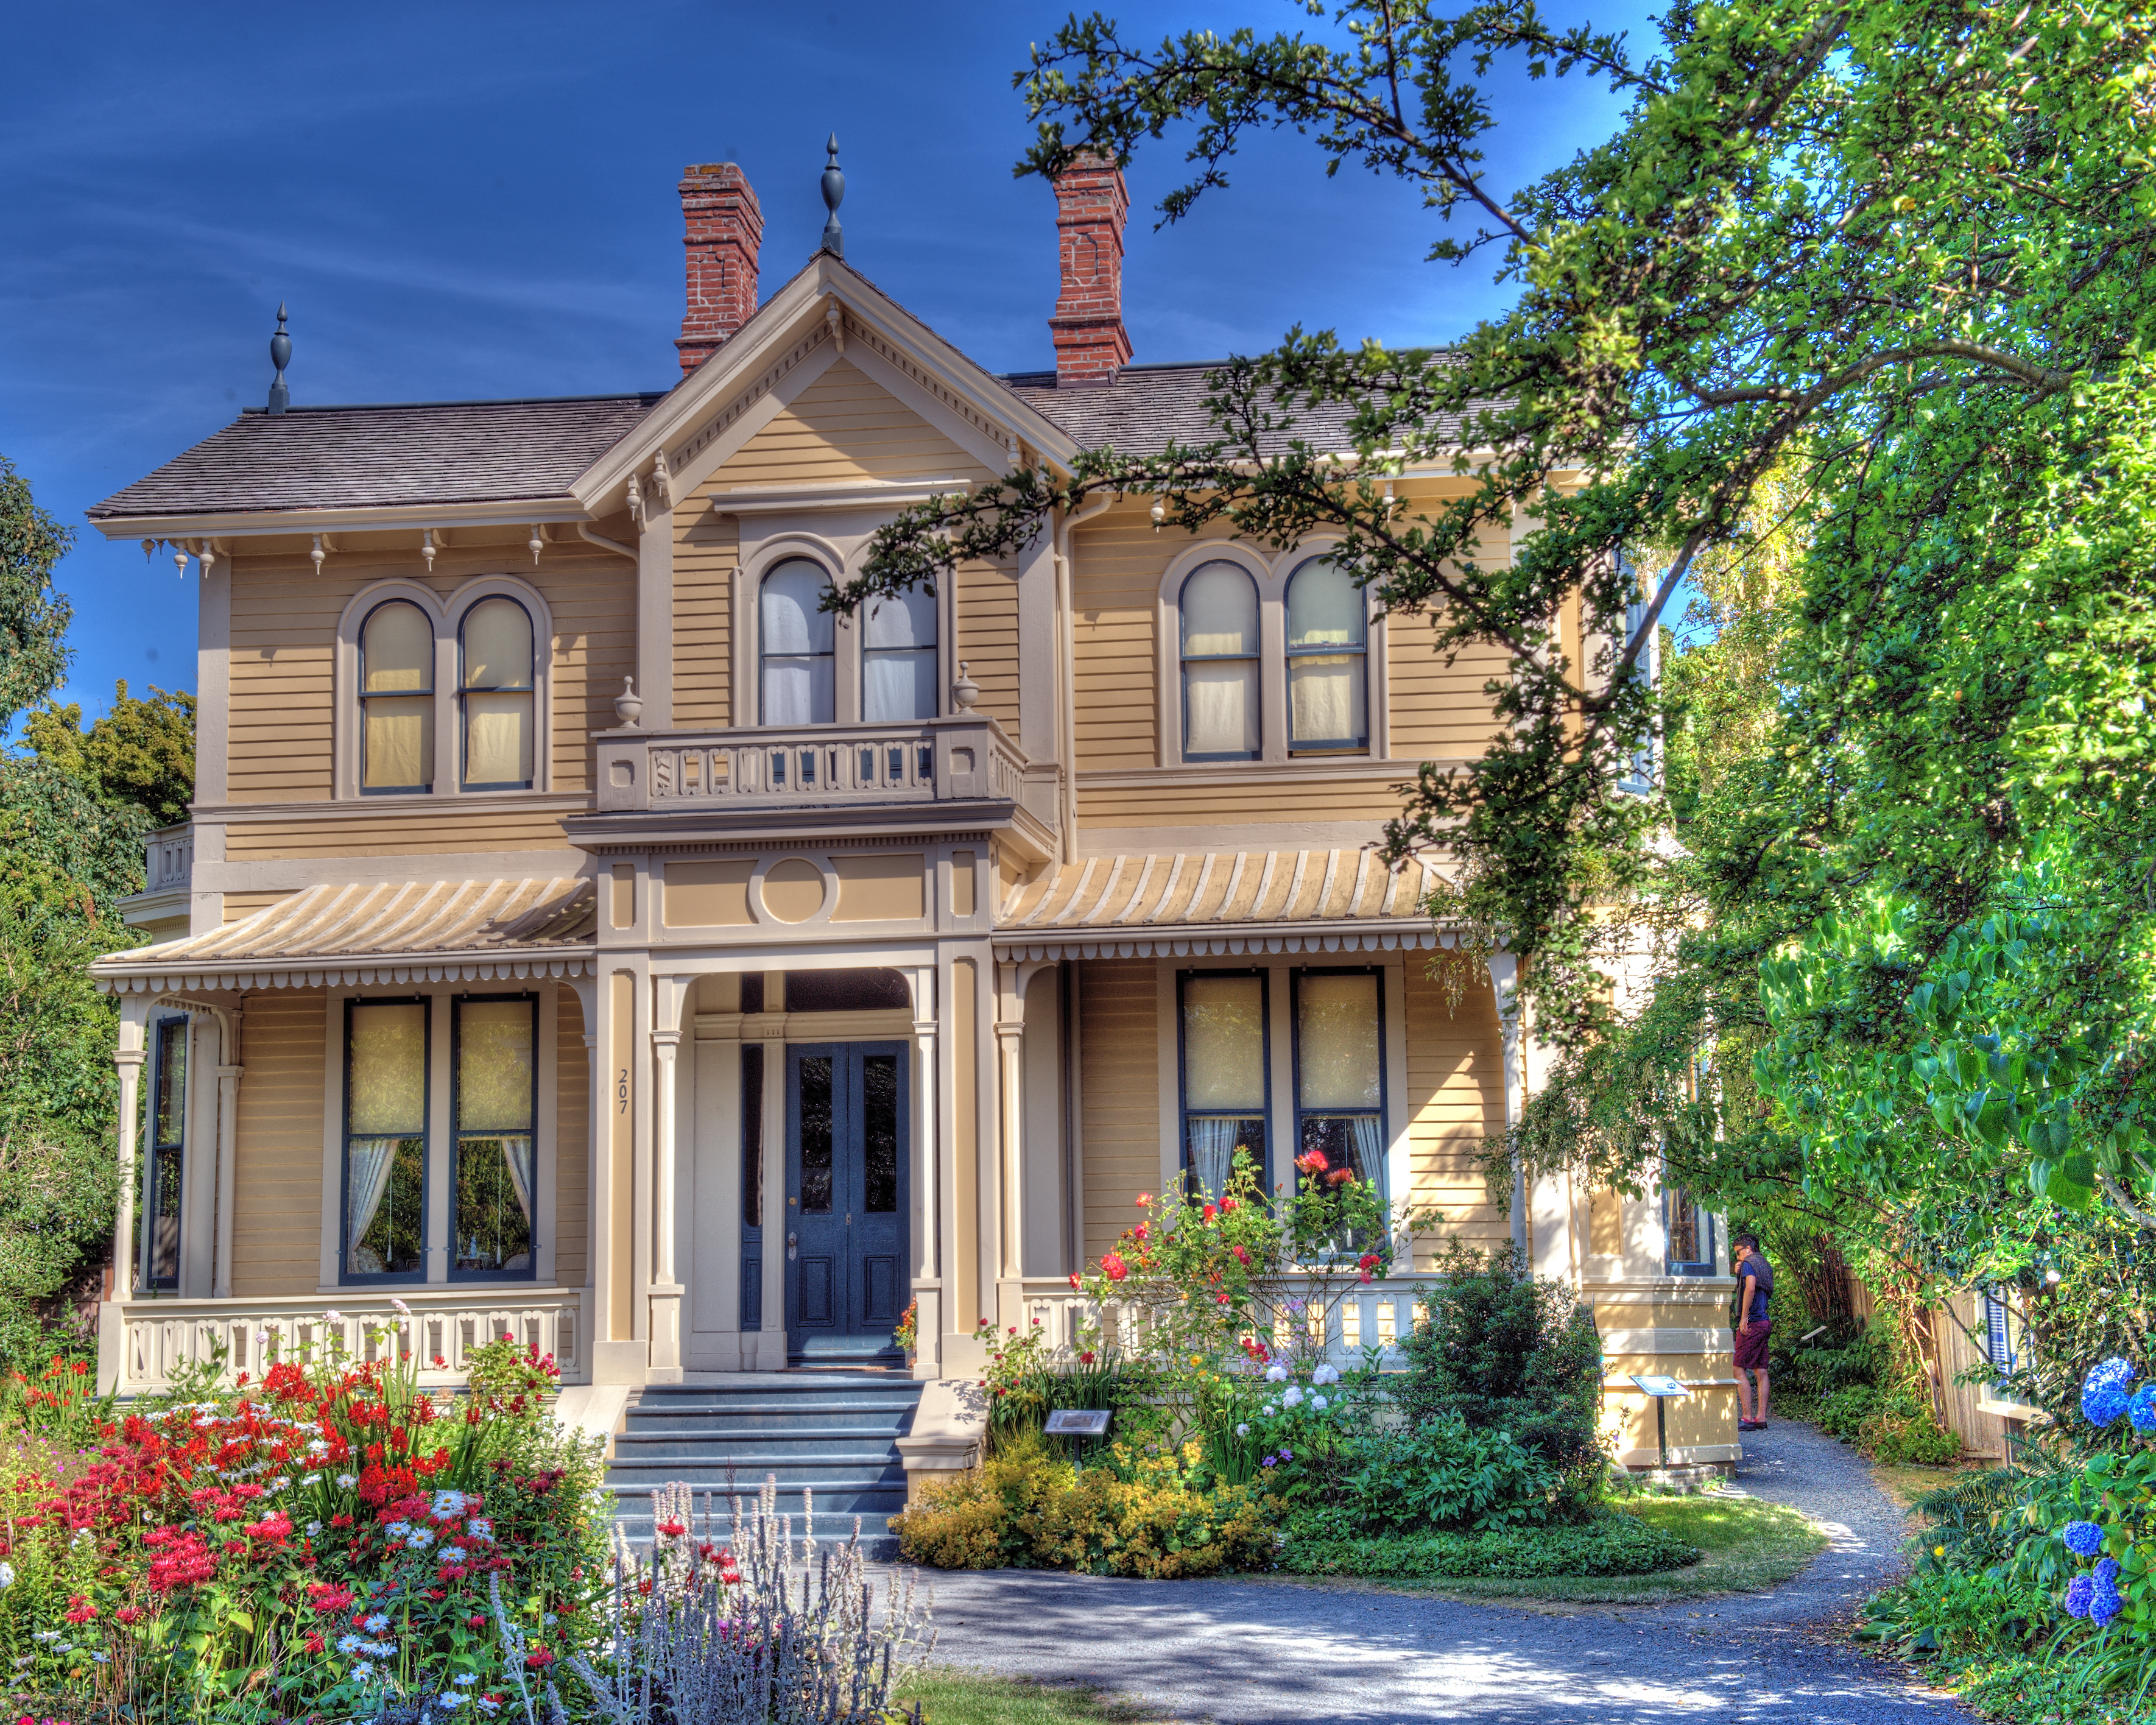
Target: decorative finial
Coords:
[(629, 705), (426, 547), (317, 552), (965, 691), (281, 356), (834, 194), (179, 560), (536, 543)]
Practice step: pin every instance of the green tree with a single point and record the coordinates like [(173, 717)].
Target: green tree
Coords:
[(34, 613), (140, 751)]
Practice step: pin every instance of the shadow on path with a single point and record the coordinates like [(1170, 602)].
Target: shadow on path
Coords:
[(1253, 1654)]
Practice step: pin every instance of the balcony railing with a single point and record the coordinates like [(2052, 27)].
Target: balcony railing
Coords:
[(438, 1324), (1380, 1314), (964, 759), (169, 858)]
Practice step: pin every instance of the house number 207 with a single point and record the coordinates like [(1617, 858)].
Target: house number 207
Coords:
[(621, 1092)]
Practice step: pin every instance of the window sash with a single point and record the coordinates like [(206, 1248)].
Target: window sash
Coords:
[(396, 718), (384, 1169), (166, 1161), (1215, 1124), (493, 1148), (1687, 1234), (1358, 1128)]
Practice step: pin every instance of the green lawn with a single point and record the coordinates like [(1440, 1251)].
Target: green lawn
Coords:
[(948, 1696), (1745, 1545)]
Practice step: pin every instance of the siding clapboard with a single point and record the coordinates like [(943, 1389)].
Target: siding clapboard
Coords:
[(240, 906), (707, 553), (1120, 1035), (432, 831), (843, 426), (987, 604), (1455, 1096), (572, 1141), (277, 1188)]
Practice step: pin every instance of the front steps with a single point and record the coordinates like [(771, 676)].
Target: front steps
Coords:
[(834, 1432)]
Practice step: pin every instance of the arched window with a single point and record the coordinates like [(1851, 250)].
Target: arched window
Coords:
[(497, 689), (898, 658), (800, 686), (397, 700), (1219, 608), (1327, 660)]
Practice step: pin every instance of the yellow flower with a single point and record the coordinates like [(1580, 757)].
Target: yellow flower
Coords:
[(1939, 1551)]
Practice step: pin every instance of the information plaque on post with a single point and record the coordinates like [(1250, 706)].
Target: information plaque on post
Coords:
[(1078, 1422), (1661, 1386)]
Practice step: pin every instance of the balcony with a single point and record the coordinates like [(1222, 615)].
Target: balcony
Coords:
[(834, 770), (168, 867)]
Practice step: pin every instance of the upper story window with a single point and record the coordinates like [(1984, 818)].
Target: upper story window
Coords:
[(439, 696), (396, 699), (1328, 701), (1220, 660), (497, 689), (898, 658), (799, 669), (1689, 1233)]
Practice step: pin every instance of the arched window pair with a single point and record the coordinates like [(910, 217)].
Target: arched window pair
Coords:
[(798, 641), (496, 698), (1326, 670)]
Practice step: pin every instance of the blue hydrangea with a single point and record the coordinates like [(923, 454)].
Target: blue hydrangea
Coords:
[(2104, 1602), (2084, 1539), (2106, 1391), (2106, 1573), (2077, 1595), (2142, 1409)]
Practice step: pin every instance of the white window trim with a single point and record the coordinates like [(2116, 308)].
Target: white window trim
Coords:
[(1271, 573), (446, 616), (846, 661)]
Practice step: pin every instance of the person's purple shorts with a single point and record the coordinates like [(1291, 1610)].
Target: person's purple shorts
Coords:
[(1752, 1349)]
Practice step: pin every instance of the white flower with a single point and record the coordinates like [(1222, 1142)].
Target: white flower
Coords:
[(332, 1317), (464, 1680), (1269, 1410), (310, 1479), (479, 1528), (381, 1650), (318, 1446), (448, 1504), (378, 1623), (346, 1482), (402, 1307), (488, 1706), (397, 1530), (7, 1577), (349, 1644), (262, 1337), (549, 1620), (102, 1658), (1319, 1403), (419, 1539), (1290, 1397), (1242, 1431), (83, 1536), (207, 1421), (450, 1703), (1275, 1373), (313, 1529), (1326, 1374)]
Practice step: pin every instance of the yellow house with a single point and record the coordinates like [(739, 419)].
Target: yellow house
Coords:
[(581, 936)]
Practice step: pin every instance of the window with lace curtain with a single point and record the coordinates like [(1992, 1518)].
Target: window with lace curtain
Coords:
[(385, 1139), (1340, 1070), (1223, 1033), (497, 689), (1328, 702), (496, 1106), (396, 700), (797, 646), (1220, 705)]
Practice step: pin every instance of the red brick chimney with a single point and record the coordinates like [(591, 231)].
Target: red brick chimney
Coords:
[(1092, 205), (724, 229)]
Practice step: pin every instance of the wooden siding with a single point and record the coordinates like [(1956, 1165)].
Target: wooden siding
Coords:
[(572, 1141), (284, 638), (987, 604), (707, 553), (276, 1223), (1119, 1088), (843, 426), (1456, 1096), (1177, 802), (1439, 710), (240, 906), (1116, 562), (434, 830)]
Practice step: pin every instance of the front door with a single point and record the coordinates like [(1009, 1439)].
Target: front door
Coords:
[(845, 1200)]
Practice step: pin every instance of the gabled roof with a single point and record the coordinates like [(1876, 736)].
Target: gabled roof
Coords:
[(415, 932), (372, 457)]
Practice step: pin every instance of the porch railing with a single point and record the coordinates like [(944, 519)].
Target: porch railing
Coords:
[(1378, 1314), (963, 759), (439, 1329), (168, 858)]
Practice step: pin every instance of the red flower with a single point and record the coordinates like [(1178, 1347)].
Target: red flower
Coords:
[(1113, 1267), (538, 1659), (314, 1643), (327, 1599), (129, 1614), (1085, 1359), (79, 1609), (1241, 1256), (1074, 1278), (475, 1622), (1312, 1161), (1226, 1205), (1341, 1176), (672, 1530), (1144, 1198), (1212, 1211)]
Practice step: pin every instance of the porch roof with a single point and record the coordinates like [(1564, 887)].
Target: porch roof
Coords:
[(1144, 906), (443, 931)]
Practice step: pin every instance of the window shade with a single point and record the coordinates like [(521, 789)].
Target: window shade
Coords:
[(493, 1066), (1337, 1051), (1220, 707), (497, 646), (1324, 608), (396, 741), (1326, 700), (388, 1094), (396, 650), (799, 687), (1224, 1047), (1219, 612)]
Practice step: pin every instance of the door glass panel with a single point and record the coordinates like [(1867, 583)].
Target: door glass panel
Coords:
[(816, 1135), (880, 1132)]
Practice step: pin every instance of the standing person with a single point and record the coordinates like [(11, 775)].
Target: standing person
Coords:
[(1755, 1279)]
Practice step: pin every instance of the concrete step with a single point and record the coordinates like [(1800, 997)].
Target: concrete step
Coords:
[(748, 1448)]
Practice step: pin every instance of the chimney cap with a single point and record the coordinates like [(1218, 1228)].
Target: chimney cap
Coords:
[(281, 356), (834, 194)]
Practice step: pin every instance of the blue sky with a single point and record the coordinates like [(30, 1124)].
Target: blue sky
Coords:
[(473, 201)]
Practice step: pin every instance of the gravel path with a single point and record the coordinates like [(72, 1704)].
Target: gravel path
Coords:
[(1251, 1653)]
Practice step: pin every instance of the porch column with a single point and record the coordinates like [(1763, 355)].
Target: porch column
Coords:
[(1504, 978), (927, 1210), (228, 1153), (127, 1058), (665, 1294), (1010, 1094)]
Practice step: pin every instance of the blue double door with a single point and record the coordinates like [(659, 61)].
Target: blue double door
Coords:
[(846, 1200)]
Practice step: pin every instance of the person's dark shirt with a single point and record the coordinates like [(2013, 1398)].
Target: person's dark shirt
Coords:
[(1763, 1285)]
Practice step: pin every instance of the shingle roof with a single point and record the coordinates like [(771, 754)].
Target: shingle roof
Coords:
[(419, 931), (1147, 405), (354, 458), (1220, 902)]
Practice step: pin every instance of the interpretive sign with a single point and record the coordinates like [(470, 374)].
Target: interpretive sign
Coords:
[(1077, 1422)]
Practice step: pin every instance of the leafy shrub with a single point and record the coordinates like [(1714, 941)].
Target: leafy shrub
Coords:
[(1156, 1516), (1612, 1544), (1444, 1474), (1806, 1374), (1503, 1351), (1893, 1425), (1844, 1413)]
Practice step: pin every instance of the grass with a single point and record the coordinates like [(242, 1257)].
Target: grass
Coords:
[(948, 1696), (1905, 1481), (1744, 1545)]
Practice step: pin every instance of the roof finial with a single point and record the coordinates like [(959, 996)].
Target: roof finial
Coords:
[(281, 356), (834, 194)]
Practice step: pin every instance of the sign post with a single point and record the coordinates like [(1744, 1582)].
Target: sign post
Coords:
[(1661, 1387), (1078, 1423)]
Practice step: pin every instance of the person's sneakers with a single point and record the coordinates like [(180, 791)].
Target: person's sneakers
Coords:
[(1751, 1426)]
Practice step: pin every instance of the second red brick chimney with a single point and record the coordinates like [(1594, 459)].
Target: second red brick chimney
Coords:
[(724, 229), (1092, 205)]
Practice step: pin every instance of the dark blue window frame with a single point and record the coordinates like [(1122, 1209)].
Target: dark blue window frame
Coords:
[(1381, 1112), (1262, 1155), (1255, 657), (458, 1134), (345, 1275)]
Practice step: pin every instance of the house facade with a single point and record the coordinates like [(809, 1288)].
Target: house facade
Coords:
[(581, 936)]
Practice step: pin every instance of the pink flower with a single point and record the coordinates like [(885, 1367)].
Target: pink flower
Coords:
[(1144, 1198), (1114, 1268), (1211, 1211)]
